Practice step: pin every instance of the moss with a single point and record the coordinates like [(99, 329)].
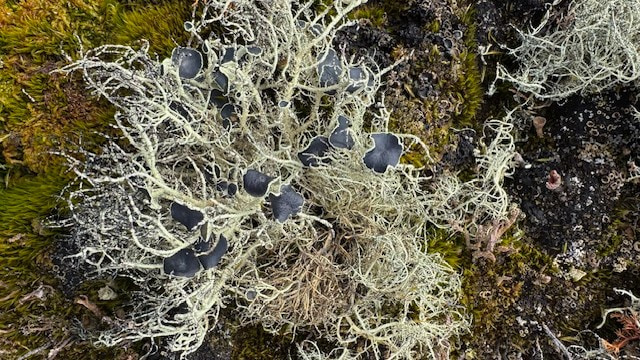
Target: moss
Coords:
[(414, 156), (489, 288), (373, 14), (614, 240), (33, 313), (320, 6), (434, 26), (452, 93), (625, 216), (468, 87), (435, 137), (524, 284), (27, 200), (376, 13), (469, 90), (524, 255), (449, 246), (58, 115), (161, 25), (38, 110), (254, 343), (44, 28), (41, 112)]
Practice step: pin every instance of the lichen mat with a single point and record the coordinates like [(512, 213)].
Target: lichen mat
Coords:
[(255, 167)]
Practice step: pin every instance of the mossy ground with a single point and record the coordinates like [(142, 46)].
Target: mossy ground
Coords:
[(34, 314), (42, 112)]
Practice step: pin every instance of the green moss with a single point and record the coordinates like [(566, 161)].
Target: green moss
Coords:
[(457, 96), (468, 88), (33, 313), (18, 82), (374, 14), (449, 246), (45, 28), (519, 256), (625, 215), (28, 199), (38, 110), (614, 239), (523, 281), (161, 25), (254, 343), (320, 6), (42, 112), (436, 138), (526, 257)]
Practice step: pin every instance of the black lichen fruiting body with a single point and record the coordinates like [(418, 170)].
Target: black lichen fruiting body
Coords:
[(314, 153), (287, 204), (283, 104), (211, 257), (254, 50), (180, 108), (340, 137), (227, 188), (220, 82), (228, 55), (189, 62), (186, 216), (184, 263), (239, 54), (225, 108), (315, 29), (256, 183), (226, 112), (359, 78), (218, 99), (386, 152), (329, 69), (232, 189)]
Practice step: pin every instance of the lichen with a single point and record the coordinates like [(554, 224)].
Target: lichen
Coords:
[(307, 256)]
